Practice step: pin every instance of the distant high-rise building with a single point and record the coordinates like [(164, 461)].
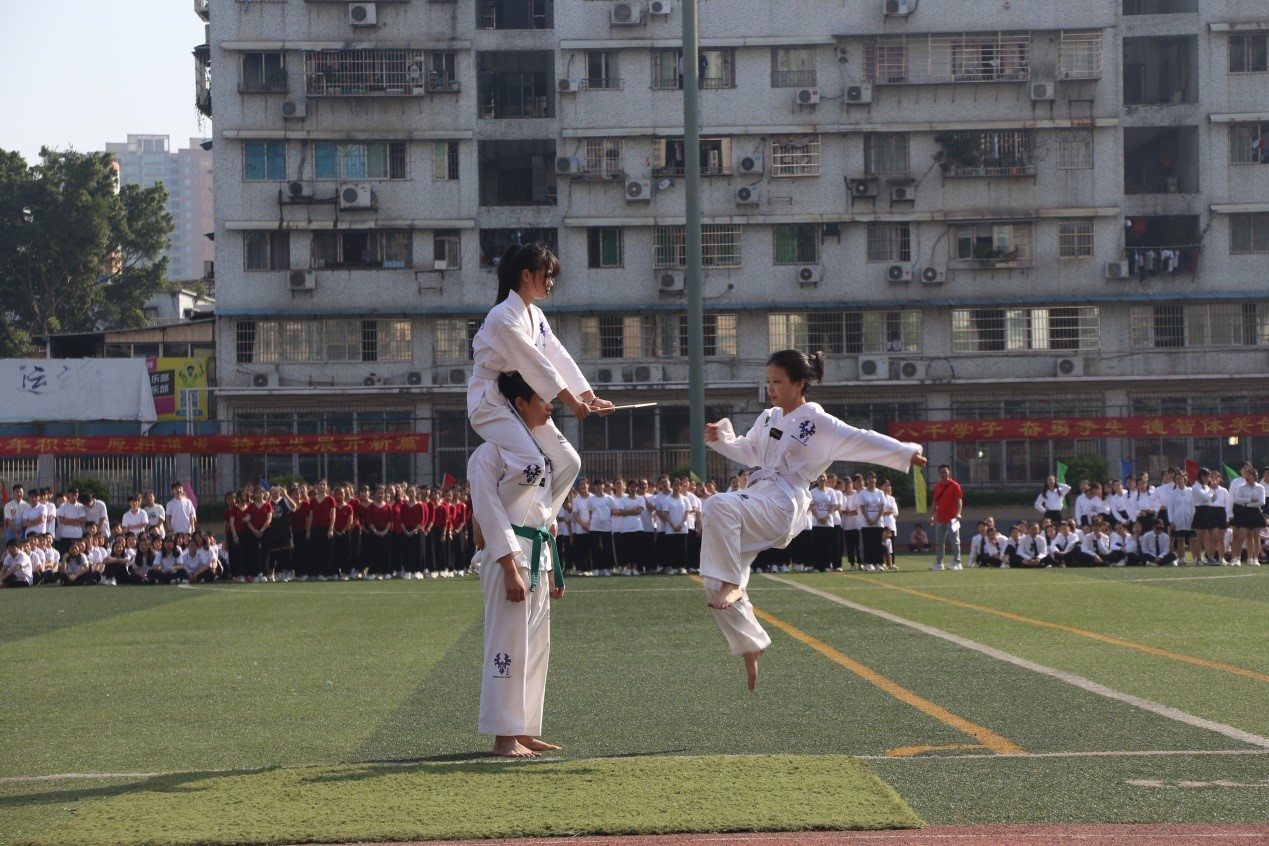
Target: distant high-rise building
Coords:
[(147, 160)]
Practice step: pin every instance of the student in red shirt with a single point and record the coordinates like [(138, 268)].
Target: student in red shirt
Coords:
[(439, 536), (376, 540), (341, 552), (256, 520), (235, 526), (457, 528), (299, 528), (321, 532), (407, 535)]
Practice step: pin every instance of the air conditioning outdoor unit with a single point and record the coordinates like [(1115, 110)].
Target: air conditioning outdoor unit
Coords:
[(570, 86), (604, 376), (660, 7), (807, 96), (861, 94), (354, 195), (302, 280), (913, 370), (362, 14), (898, 7), (809, 276), (749, 165), (861, 188), (933, 276), (414, 377), (1043, 91), (1070, 367), (453, 376), (669, 283), (1116, 270), (569, 166), (372, 380), (638, 190), (642, 374), (903, 194), (873, 368), (299, 190), (899, 273), (295, 108), (749, 195), (626, 14), (264, 380)]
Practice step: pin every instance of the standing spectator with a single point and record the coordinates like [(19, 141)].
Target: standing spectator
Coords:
[(258, 519), (34, 517), (851, 521), (155, 512), (674, 530), (459, 557), (1052, 500), (182, 518), (626, 527), (301, 557), (647, 554), (823, 503), (583, 518), (376, 535), (408, 535), (341, 533), (948, 502), (603, 556), (135, 520), (319, 529), (872, 502), (438, 550), (1182, 511), (890, 522), (1249, 516), (95, 513), (234, 519), (13, 511), (279, 544), (71, 516)]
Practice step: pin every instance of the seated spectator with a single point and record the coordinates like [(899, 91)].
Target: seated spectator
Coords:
[(145, 564), (918, 541), (116, 567), (1094, 549), (76, 568), (201, 561), (16, 570), (1155, 547), (992, 550), (976, 544), (171, 563), (1062, 544), (1030, 549), (50, 570)]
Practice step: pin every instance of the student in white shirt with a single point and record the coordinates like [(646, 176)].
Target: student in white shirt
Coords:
[(1090, 505), (71, 516), (17, 571), (1156, 547), (692, 542), (35, 518), (95, 512), (1095, 546), (674, 514), (626, 527), (155, 512), (647, 555), (823, 541), (77, 569), (13, 511), (1122, 546), (850, 522), (1052, 500), (583, 515), (135, 520), (603, 554), (1248, 504), (182, 517)]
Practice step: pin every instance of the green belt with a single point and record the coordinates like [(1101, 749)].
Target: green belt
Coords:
[(535, 555)]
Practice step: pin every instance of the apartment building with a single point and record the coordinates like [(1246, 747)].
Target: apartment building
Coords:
[(1054, 211)]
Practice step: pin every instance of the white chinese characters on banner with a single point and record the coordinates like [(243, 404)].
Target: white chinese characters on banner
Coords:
[(74, 390)]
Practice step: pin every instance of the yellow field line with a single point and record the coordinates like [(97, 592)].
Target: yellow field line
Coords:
[(1114, 641)]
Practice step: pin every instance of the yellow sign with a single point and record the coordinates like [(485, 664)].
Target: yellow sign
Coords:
[(179, 386)]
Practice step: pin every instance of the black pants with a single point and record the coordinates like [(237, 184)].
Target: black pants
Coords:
[(854, 551), (88, 578), (582, 546), (248, 561), (874, 551), (341, 549), (14, 581), (376, 555), (319, 553), (437, 554), (823, 545), (407, 552), (603, 555), (673, 550)]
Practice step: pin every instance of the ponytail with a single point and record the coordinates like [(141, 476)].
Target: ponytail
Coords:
[(516, 259), (798, 366)]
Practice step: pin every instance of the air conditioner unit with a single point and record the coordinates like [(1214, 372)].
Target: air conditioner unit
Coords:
[(807, 96), (604, 376), (638, 190), (660, 7), (302, 280), (1116, 270), (1070, 367), (299, 190), (903, 194), (642, 374), (749, 195), (749, 165), (1043, 91), (669, 283), (295, 108), (933, 276), (569, 166), (913, 370), (264, 380), (570, 86), (899, 273), (809, 277), (873, 368), (626, 14), (362, 14), (860, 94), (414, 377), (454, 376), (861, 188), (354, 195), (898, 7), (372, 380)]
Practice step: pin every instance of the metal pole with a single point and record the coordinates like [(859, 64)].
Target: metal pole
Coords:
[(692, 188)]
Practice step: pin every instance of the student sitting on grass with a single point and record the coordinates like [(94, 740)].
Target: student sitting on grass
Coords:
[(76, 568), (16, 570)]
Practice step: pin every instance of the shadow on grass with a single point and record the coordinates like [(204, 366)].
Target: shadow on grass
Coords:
[(176, 783)]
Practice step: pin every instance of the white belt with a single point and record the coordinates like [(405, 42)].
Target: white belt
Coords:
[(782, 483)]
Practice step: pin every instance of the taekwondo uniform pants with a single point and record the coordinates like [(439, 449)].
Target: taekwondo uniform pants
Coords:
[(517, 651)]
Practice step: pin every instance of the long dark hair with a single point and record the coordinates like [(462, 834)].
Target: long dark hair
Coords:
[(798, 366), (518, 258), (513, 387)]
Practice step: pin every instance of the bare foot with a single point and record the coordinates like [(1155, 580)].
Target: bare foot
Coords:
[(509, 746), (751, 667), (726, 597), (536, 745)]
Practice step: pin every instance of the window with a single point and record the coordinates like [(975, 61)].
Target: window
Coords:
[(669, 157), (1014, 329), (720, 246), (452, 339), (376, 72), (263, 72), (1075, 238), (886, 154), (605, 158), (441, 71), (1004, 153), (371, 160), (886, 62), (266, 250), (720, 335), (795, 155), (889, 242), (307, 341), (1075, 149), (1080, 55), (1249, 143), (362, 249), (987, 245), (601, 70), (797, 243), (717, 69), (263, 161), (1248, 52), (1161, 326), (792, 67), (973, 58), (616, 336), (446, 250), (850, 332), (444, 161), (603, 247), (1248, 234)]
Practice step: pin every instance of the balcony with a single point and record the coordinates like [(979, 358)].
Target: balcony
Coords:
[(517, 173), (1161, 160), (516, 84), (1005, 261), (515, 14), (1160, 70), (378, 73), (202, 8), (986, 154), (202, 79)]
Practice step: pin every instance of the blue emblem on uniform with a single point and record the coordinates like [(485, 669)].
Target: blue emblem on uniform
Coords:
[(805, 430), (542, 328), (531, 474), (502, 661)]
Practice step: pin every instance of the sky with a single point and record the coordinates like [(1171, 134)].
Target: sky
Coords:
[(79, 73)]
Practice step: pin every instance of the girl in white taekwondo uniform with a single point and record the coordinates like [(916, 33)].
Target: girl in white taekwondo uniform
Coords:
[(791, 444), (511, 504), (515, 337)]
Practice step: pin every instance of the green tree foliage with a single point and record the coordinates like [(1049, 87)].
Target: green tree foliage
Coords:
[(78, 253), (1091, 467)]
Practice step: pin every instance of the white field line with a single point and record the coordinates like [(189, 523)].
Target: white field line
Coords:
[(950, 583), (1061, 675)]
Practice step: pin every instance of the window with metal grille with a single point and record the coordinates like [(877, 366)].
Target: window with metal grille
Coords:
[(795, 155), (618, 336), (1200, 325), (604, 247), (1075, 238), (439, 69), (1075, 149), (720, 246), (792, 67), (850, 332), (444, 161), (1249, 143), (601, 70), (263, 161), (605, 158), (515, 14), (447, 251), (978, 57), (1015, 329), (304, 341), (361, 72), (263, 72), (669, 157), (719, 335), (717, 69), (266, 250), (451, 339), (1157, 326), (1248, 233), (991, 244), (886, 61), (1249, 52), (995, 153), (1080, 55), (886, 154), (889, 242), (797, 243), (359, 160), (362, 249)]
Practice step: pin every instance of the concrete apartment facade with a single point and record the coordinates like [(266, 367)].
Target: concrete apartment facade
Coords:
[(1066, 214)]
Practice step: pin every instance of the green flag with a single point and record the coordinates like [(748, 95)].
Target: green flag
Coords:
[(1060, 475), (918, 487), (1231, 473)]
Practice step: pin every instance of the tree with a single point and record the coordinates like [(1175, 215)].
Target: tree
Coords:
[(78, 253)]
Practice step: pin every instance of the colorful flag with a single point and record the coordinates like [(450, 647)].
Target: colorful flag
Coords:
[(692, 475), (1231, 473), (189, 492), (264, 483), (1125, 468), (1060, 475), (1191, 469), (918, 487), (448, 482)]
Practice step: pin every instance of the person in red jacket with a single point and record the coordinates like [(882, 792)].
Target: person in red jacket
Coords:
[(320, 530), (407, 535)]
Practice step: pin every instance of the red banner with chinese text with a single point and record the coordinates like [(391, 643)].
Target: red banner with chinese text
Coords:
[(218, 444), (1082, 427)]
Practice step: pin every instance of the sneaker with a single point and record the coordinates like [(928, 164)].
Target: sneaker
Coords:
[(241, 580), (937, 567), (956, 567), (425, 574), (1004, 565)]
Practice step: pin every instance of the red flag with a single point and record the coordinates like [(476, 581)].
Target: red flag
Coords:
[(4, 494), (1192, 469), (448, 482), (189, 492)]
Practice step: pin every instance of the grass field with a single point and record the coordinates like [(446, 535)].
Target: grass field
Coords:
[(327, 712)]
